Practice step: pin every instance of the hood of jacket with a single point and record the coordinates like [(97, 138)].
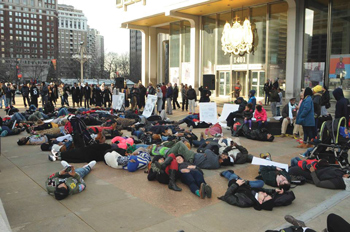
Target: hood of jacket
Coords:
[(252, 92), (338, 94)]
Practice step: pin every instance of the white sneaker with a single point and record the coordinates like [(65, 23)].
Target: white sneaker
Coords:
[(91, 164), (347, 183), (64, 164)]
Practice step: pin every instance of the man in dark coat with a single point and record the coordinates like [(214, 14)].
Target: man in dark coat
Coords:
[(205, 94), (75, 94), (44, 94), (239, 113), (175, 96), (240, 194), (87, 93), (25, 95), (341, 108), (142, 96), (34, 94), (163, 88)]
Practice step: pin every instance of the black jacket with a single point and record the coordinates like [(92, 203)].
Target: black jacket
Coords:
[(285, 111), (269, 174), (191, 94), (151, 91), (316, 99), (87, 92), (274, 96), (175, 92), (34, 91), (204, 93), (25, 91), (341, 108)]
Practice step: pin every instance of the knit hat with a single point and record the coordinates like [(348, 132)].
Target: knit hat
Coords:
[(61, 193), (307, 92), (111, 159), (130, 148), (317, 88), (267, 205), (132, 166)]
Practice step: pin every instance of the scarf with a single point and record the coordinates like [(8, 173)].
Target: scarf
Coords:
[(290, 113)]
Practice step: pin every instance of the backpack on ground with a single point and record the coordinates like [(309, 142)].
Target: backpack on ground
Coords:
[(77, 128)]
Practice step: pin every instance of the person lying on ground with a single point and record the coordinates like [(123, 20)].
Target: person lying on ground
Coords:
[(335, 223), (193, 178), (237, 154), (241, 194), (84, 154), (131, 162), (165, 171), (68, 181), (42, 139), (274, 176), (325, 176)]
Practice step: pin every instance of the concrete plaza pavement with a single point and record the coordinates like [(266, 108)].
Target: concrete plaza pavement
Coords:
[(116, 200)]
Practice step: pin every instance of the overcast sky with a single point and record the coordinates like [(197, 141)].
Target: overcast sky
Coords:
[(103, 16)]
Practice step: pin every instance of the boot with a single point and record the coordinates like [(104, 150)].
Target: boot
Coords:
[(166, 162), (172, 181)]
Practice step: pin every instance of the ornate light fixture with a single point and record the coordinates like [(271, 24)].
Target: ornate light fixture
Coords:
[(237, 39)]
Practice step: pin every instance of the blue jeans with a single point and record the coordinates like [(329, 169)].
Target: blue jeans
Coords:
[(8, 102), (138, 133), (83, 171), (18, 117), (294, 161), (307, 153), (254, 184), (2, 98), (62, 112), (193, 179)]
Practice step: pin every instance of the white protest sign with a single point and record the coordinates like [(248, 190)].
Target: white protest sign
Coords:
[(150, 104), (208, 112), (114, 101), (226, 110), (259, 161), (120, 101)]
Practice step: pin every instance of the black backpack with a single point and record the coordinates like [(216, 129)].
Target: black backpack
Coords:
[(80, 134)]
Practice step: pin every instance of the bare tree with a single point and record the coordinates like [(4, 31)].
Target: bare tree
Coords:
[(115, 62), (8, 72), (37, 68)]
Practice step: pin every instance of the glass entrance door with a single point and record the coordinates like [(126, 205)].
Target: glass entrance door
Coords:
[(258, 81), (225, 83), (241, 76)]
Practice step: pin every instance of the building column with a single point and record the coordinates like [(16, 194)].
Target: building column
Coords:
[(195, 72), (152, 56), (294, 59)]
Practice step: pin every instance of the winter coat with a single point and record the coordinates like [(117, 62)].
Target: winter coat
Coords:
[(169, 92), (252, 99), (176, 92), (25, 91), (248, 114), (260, 116), (242, 105), (274, 97), (285, 111), (209, 160), (191, 94), (87, 92), (163, 88), (151, 91), (269, 174), (44, 91), (184, 93), (305, 115), (204, 93), (316, 99), (341, 108)]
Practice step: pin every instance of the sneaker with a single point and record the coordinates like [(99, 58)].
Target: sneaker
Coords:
[(283, 135), (262, 156), (347, 183), (64, 164), (52, 157), (302, 155), (202, 191), (295, 136), (91, 164), (208, 191), (191, 128), (292, 220)]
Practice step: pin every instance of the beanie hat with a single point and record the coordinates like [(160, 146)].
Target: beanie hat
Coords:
[(317, 88), (61, 193), (267, 205), (271, 138), (307, 92), (226, 162), (111, 159), (132, 166), (130, 148)]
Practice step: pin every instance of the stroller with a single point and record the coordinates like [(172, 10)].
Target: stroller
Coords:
[(332, 147)]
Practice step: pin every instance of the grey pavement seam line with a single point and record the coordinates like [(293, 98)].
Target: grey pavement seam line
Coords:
[(320, 209), (45, 191)]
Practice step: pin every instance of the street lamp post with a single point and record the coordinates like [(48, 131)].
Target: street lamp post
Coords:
[(82, 58)]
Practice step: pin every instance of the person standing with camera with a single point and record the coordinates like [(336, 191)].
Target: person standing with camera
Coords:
[(68, 181)]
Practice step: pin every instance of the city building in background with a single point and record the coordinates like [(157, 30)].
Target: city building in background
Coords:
[(298, 43), (28, 39), (95, 47), (135, 55)]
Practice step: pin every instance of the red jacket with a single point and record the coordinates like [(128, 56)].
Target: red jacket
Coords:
[(260, 116), (163, 88)]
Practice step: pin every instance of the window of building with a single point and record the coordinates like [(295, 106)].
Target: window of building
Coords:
[(32, 2)]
